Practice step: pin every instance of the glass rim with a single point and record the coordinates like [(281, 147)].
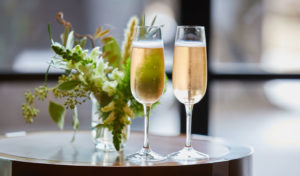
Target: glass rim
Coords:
[(191, 26)]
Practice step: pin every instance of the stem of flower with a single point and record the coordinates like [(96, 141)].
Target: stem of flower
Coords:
[(60, 19)]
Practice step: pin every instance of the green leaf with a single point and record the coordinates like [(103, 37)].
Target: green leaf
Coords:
[(49, 32), (68, 85), (111, 51), (57, 113)]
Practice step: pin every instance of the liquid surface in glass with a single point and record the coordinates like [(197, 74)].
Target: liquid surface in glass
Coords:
[(147, 71), (189, 71)]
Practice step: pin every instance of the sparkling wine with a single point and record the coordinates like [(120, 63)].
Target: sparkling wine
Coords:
[(147, 71), (189, 71)]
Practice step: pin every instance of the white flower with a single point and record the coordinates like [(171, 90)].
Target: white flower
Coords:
[(57, 44), (70, 65), (77, 49), (86, 70), (98, 81), (98, 75), (117, 75), (95, 54), (101, 66), (110, 87), (70, 40)]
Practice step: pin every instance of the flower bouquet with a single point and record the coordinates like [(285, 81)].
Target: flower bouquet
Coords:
[(103, 73)]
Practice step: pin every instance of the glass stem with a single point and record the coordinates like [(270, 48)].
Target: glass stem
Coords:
[(147, 108), (189, 110)]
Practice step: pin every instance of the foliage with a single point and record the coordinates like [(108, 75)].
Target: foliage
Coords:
[(104, 73), (57, 113)]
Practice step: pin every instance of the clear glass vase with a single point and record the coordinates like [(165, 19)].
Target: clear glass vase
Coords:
[(102, 136)]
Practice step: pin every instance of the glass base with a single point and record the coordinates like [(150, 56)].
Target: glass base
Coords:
[(145, 155), (188, 154)]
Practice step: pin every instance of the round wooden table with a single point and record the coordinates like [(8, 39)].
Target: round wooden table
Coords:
[(51, 153)]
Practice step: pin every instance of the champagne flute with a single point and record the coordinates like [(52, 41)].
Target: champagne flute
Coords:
[(147, 76), (189, 80)]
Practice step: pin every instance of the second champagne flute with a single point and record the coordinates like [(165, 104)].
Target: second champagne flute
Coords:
[(147, 77), (189, 80)]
